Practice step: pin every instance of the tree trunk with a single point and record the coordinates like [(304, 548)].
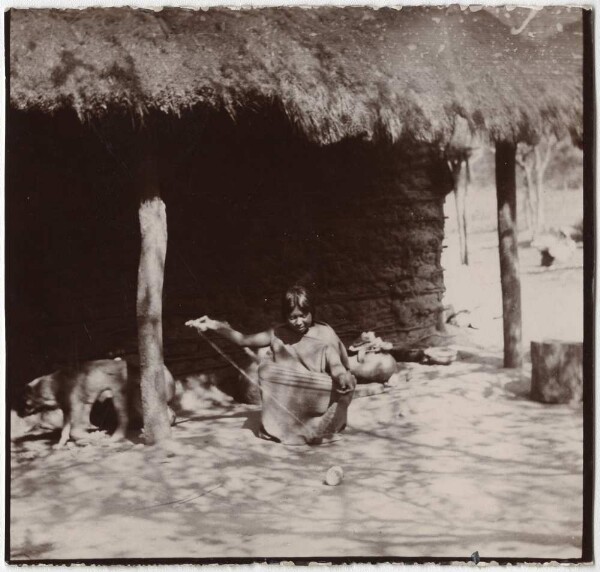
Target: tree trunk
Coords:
[(540, 218), (530, 213), (463, 218), (526, 160), (557, 371), (460, 221), (153, 226), (506, 194), (541, 164), (460, 206)]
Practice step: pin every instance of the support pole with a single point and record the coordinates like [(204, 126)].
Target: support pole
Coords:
[(506, 193), (153, 227)]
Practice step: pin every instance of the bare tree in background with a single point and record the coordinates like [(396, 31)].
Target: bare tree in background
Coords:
[(525, 160), (534, 161), (455, 164), (460, 162)]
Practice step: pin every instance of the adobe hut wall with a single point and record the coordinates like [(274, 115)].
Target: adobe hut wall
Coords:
[(251, 208)]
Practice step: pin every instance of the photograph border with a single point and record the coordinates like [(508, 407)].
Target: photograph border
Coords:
[(589, 339)]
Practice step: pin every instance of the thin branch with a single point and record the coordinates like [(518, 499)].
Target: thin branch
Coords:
[(530, 16), (521, 163), (180, 501), (550, 147), (538, 158)]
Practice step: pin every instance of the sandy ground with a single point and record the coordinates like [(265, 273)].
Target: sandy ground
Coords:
[(551, 298), (450, 460)]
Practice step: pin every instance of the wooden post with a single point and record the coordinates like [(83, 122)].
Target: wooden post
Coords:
[(153, 227), (506, 194), (557, 371), (455, 164)]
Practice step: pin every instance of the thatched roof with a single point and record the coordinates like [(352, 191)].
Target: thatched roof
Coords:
[(335, 72), (565, 48)]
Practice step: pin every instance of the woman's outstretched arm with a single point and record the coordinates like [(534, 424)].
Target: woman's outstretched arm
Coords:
[(259, 340)]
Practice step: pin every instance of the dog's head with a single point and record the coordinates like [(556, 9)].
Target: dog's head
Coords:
[(40, 395)]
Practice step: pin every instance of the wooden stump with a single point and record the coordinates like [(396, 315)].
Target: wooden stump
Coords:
[(557, 371)]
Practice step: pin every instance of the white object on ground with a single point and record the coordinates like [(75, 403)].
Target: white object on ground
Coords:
[(334, 476), (441, 356)]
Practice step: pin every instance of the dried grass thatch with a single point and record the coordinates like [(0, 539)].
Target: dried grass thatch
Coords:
[(335, 72)]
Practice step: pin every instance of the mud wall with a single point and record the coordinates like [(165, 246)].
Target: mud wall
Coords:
[(251, 207)]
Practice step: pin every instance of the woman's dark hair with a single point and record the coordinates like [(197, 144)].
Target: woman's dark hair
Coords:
[(297, 296)]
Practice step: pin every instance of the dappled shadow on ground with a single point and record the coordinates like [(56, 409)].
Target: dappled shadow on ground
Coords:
[(451, 460)]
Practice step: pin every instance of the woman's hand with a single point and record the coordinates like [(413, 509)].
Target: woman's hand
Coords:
[(203, 324), (260, 340), (345, 383)]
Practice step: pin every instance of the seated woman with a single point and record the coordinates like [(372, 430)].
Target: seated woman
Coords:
[(306, 384)]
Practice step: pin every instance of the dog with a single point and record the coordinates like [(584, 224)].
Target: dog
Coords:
[(75, 390)]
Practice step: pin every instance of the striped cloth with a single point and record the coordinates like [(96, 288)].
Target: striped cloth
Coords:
[(300, 406)]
